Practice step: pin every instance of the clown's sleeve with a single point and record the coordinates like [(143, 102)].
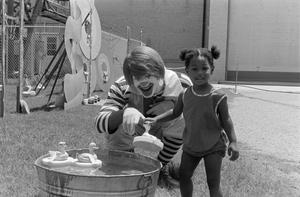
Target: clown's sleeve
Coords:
[(115, 102), (173, 85)]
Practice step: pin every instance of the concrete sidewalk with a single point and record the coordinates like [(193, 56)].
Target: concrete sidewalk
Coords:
[(280, 88), (266, 117), (266, 83)]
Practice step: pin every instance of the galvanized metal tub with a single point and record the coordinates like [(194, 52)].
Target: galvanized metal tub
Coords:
[(53, 182)]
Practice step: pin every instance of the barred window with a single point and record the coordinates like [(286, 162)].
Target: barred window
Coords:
[(51, 45)]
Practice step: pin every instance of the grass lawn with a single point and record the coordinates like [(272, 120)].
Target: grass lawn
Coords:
[(23, 138)]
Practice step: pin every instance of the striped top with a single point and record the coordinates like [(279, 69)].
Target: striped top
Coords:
[(120, 92)]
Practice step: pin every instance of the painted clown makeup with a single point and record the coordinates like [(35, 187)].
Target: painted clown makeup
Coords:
[(148, 85)]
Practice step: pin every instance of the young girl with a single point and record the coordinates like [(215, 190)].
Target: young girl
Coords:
[(206, 115)]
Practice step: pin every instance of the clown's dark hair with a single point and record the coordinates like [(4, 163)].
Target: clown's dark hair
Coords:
[(143, 61), (187, 54)]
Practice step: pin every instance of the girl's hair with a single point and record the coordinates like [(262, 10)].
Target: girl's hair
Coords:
[(143, 61), (187, 54)]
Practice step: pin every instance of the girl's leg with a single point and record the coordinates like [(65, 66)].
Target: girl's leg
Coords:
[(186, 171), (213, 164)]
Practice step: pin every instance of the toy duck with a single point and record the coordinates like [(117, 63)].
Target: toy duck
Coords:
[(61, 154), (88, 159), (58, 158)]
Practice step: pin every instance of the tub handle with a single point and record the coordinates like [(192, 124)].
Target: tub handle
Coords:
[(144, 184)]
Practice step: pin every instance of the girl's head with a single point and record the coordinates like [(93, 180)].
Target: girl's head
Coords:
[(144, 69), (199, 63)]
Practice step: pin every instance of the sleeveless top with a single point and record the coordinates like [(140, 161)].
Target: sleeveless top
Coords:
[(202, 125)]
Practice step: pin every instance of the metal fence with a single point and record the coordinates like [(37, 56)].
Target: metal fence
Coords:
[(41, 44)]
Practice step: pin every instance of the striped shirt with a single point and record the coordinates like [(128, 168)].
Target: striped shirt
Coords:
[(118, 97)]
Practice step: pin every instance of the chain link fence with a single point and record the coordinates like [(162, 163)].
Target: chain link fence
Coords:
[(41, 52), (40, 45)]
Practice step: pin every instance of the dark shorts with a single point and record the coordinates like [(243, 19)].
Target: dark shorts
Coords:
[(219, 148)]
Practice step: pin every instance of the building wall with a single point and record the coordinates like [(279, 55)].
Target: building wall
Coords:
[(263, 38), (258, 38), (167, 25), (218, 19)]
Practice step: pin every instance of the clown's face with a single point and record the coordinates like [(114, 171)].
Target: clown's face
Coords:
[(148, 85)]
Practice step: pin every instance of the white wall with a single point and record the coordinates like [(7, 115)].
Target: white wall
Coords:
[(261, 39), (218, 11), (264, 35)]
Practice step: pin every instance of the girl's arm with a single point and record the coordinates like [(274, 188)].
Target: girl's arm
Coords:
[(227, 125), (172, 113), (226, 121)]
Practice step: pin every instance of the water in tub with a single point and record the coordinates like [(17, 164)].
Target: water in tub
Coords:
[(110, 167)]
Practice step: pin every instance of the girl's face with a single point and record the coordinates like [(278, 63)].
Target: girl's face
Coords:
[(199, 70), (148, 85)]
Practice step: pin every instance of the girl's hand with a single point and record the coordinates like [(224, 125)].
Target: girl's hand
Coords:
[(150, 121), (233, 151)]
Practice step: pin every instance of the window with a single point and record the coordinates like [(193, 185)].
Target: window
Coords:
[(51, 46)]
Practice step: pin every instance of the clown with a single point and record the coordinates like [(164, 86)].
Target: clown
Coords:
[(147, 89)]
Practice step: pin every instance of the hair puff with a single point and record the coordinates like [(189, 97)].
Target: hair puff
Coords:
[(182, 54), (215, 52)]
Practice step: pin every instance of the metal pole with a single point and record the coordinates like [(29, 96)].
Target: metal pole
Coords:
[(2, 88), (90, 60), (227, 39), (141, 32), (128, 39), (236, 79), (21, 55)]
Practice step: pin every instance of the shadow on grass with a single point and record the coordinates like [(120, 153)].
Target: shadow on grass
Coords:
[(253, 174)]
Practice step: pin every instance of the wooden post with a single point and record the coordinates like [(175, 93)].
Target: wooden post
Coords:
[(2, 88), (21, 55)]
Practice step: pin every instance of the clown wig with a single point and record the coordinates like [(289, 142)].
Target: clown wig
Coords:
[(143, 61)]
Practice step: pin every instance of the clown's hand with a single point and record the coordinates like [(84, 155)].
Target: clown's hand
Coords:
[(131, 118), (159, 108)]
